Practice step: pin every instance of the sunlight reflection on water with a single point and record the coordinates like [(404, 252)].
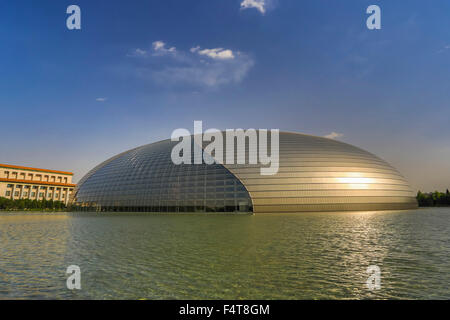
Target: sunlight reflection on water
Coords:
[(285, 256)]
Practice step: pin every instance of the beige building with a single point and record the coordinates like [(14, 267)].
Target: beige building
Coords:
[(18, 182)]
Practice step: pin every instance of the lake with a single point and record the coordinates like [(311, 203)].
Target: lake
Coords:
[(285, 256)]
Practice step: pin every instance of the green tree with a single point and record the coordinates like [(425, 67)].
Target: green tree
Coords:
[(26, 204)]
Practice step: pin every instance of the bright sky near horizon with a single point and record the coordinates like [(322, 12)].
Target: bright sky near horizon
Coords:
[(137, 70)]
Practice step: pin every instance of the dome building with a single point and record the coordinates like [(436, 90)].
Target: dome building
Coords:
[(315, 174)]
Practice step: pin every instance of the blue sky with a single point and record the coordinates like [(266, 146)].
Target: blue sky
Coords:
[(137, 70)]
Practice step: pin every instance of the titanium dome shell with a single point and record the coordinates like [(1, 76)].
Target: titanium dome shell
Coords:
[(315, 174)]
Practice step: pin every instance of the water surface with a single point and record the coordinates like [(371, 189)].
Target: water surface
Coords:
[(285, 256)]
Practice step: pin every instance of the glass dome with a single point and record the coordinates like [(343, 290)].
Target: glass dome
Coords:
[(315, 174), (145, 180)]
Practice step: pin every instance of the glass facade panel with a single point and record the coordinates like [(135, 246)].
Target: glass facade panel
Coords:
[(146, 180)]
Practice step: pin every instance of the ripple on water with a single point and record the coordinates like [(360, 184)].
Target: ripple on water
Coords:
[(295, 256)]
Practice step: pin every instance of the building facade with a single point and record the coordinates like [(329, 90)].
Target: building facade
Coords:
[(315, 174), (17, 182), (145, 180)]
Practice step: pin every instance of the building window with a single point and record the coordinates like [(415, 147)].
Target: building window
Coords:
[(16, 194), (33, 194), (41, 194), (57, 195), (10, 185), (63, 196), (25, 194), (8, 193)]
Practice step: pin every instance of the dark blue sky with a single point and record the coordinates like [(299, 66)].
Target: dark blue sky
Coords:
[(137, 70)]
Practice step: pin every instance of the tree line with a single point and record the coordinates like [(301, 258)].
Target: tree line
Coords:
[(27, 204), (433, 199), (430, 199)]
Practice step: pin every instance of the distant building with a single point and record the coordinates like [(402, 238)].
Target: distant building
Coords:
[(18, 182)]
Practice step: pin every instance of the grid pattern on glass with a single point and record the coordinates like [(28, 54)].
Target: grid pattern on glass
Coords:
[(145, 179)]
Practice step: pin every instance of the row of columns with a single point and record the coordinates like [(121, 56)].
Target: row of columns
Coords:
[(46, 192)]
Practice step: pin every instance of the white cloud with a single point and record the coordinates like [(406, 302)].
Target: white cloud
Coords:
[(194, 49), (334, 135), (197, 67), (137, 53), (101, 99), (446, 47), (158, 45), (160, 48), (260, 5), (204, 75), (217, 53), (140, 52)]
